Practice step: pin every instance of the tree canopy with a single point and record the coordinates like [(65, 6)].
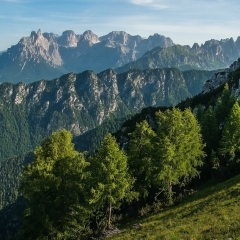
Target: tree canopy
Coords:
[(178, 149), (53, 184), (111, 180)]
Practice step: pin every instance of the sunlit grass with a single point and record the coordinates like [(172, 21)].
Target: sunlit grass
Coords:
[(213, 213)]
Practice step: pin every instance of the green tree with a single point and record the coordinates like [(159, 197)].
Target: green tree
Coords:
[(224, 105), (140, 157), (230, 142), (54, 186), (210, 131), (111, 180), (178, 149)]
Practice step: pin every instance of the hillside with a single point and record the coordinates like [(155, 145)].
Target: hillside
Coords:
[(81, 102), (209, 213)]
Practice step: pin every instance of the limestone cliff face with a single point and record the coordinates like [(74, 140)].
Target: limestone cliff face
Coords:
[(37, 47), (220, 78)]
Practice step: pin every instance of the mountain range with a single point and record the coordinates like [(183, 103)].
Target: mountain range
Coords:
[(47, 55), (211, 55)]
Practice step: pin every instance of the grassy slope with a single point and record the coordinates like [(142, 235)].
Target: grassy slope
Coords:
[(211, 213)]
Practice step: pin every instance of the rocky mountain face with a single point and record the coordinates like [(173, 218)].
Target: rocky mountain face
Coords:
[(80, 102), (220, 77), (211, 55), (47, 55)]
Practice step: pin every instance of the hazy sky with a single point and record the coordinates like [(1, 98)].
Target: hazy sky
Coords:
[(184, 21)]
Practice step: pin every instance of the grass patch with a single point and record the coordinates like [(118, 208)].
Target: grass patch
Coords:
[(212, 213)]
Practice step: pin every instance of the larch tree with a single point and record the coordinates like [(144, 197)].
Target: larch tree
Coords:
[(230, 142), (53, 185), (141, 147), (110, 178), (178, 149)]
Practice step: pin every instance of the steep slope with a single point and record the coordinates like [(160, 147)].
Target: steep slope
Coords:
[(210, 213), (47, 55), (209, 56)]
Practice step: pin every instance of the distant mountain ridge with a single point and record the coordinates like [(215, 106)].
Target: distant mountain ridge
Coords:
[(47, 55), (211, 55)]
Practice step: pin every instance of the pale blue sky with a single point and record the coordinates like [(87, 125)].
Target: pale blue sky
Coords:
[(184, 21)]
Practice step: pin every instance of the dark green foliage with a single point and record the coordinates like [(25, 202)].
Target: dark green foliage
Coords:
[(195, 79), (230, 141), (210, 130), (91, 140), (11, 219), (9, 182)]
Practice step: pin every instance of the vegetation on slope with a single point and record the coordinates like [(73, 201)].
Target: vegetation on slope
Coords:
[(209, 213)]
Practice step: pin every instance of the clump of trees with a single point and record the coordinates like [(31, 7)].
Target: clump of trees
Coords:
[(220, 122), (71, 195), (66, 191)]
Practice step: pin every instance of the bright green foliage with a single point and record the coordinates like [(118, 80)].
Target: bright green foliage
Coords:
[(53, 184), (140, 157), (230, 142), (111, 180), (179, 149)]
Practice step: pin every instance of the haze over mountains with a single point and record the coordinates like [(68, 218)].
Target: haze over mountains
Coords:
[(47, 55)]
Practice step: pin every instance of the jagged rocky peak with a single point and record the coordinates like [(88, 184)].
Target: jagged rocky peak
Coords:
[(68, 39), (50, 36), (108, 72), (36, 46), (160, 40), (195, 46), (88, 38), (227, 40), (120, 37), (238, 42)]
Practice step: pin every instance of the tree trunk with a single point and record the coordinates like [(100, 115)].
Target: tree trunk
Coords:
[(109, 215), (170, 194)]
